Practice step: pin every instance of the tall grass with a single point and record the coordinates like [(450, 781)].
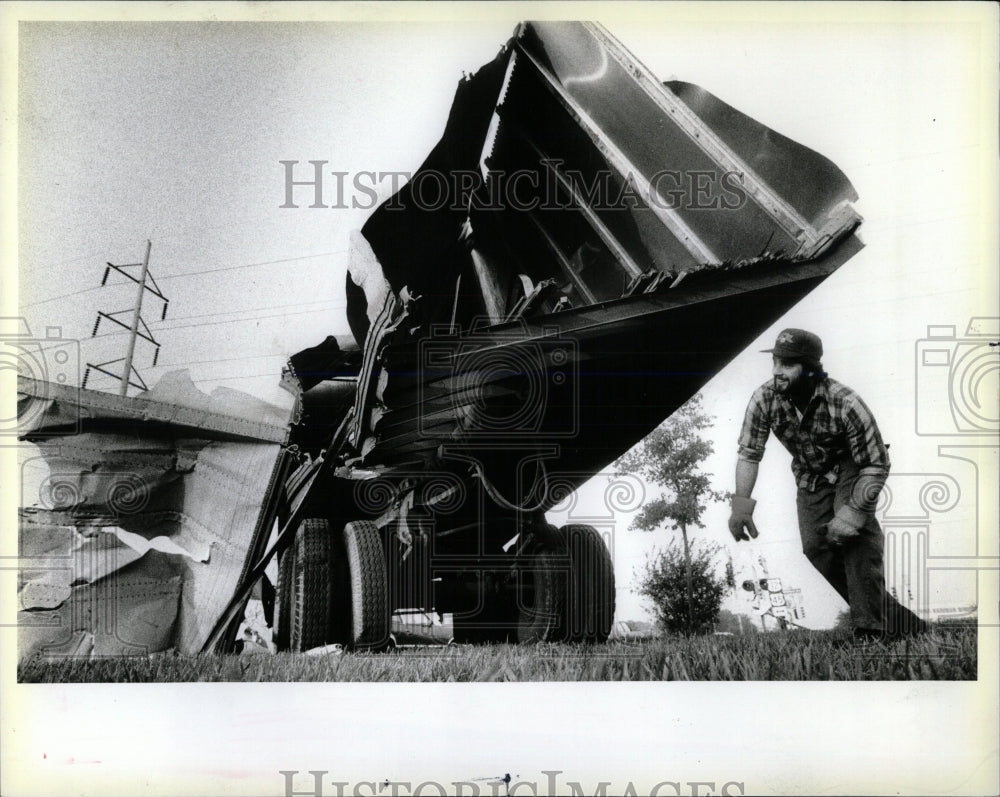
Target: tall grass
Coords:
[(798, 656)]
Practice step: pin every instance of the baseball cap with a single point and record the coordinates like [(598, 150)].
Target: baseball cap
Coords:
[(797, 344)]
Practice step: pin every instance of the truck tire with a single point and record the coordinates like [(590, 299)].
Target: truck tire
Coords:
[(369, 598), (311, 601), (590, 607), (542, 581), (282, 599)]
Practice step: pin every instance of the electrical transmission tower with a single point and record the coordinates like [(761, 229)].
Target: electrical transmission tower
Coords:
[(137, 328)]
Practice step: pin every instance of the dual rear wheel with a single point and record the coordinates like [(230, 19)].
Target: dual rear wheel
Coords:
[(561, 590), (332, 588), (566, 589)]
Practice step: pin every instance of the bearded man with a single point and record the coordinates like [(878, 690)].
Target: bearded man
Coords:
[(840, 465)]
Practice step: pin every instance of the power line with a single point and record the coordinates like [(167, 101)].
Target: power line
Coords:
[(271, 374), (180, 235), (223, 360), (193, 274), (95, 254), (63, 296), (334, 303), (228, 321), (251, 265)]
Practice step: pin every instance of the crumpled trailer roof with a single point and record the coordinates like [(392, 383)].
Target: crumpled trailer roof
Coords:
[(628, 238), (569, 95)]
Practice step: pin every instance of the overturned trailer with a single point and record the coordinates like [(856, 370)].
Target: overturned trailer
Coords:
[(580, 253)]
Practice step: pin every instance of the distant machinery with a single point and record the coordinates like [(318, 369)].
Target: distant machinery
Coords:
[(771, 598)]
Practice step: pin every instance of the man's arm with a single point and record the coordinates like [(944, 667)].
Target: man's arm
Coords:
[(753, 436), (746, 477), (871, 456), (741, 524)]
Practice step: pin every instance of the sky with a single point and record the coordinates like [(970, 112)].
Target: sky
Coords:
[(175, 132)]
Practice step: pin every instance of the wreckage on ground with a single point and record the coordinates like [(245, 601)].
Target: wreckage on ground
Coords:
[(580, 253)]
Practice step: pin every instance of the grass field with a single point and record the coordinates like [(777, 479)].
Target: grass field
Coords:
[(795, 656)]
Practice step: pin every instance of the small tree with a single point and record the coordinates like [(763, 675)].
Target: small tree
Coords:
[(685, 590), (670, 458)]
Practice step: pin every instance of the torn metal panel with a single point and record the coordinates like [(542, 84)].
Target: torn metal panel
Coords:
[(419, 247), (85, 592), (146, 519), (364, 274)]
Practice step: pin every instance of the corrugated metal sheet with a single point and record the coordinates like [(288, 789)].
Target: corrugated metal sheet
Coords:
[(136, 537)]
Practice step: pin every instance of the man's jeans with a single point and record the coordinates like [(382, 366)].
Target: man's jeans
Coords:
[(854, 568)]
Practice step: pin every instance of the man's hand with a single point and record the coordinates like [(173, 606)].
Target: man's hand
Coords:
[(741, 520), (846, 525)]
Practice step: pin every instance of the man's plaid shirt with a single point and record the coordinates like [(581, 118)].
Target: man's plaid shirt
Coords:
[(835, 422)]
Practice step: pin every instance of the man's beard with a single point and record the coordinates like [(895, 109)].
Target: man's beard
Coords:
[(801, 388), (784, 385)]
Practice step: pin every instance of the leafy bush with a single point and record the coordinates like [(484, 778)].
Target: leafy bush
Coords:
[(664, 579)]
